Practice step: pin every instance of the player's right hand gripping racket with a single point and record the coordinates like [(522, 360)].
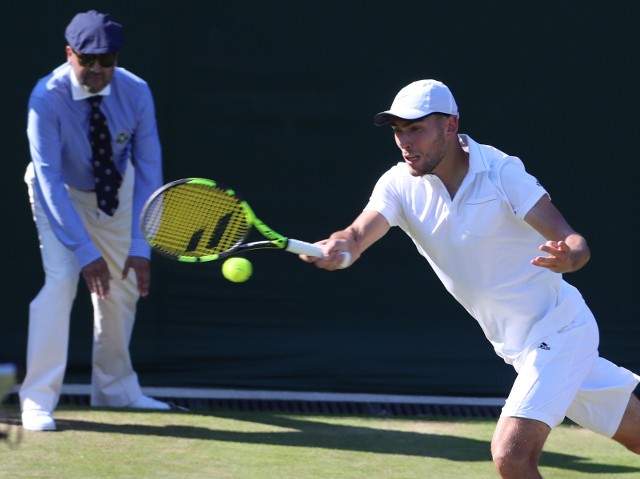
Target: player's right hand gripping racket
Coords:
[(196, 219)]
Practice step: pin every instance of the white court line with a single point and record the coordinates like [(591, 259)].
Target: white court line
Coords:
[(198, 393)]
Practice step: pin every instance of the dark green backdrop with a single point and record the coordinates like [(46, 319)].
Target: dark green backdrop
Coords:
[(276, 99)]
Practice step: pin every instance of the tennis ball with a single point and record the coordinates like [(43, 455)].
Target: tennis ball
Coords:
[(237, 270)]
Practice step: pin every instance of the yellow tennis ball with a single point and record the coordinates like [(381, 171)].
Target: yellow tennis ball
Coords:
[(237, 270)]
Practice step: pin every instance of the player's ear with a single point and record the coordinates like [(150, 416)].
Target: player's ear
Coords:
[(452, 124)]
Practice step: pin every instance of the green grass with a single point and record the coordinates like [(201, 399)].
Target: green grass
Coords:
[(117, 444)]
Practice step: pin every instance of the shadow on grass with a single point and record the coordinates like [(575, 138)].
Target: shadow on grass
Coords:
[(323, 435)]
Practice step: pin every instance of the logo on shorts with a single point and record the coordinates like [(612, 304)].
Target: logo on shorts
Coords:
[(544, 346)]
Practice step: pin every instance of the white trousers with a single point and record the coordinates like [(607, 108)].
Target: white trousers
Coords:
[(113, 380)]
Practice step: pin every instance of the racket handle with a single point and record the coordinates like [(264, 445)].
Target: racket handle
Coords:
[(302, 247)]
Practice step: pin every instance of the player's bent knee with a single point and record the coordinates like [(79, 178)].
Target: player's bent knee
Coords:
[(514, 465), (512, 462), (513, 458)]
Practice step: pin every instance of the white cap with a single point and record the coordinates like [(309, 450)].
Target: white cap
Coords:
[(418, 99)]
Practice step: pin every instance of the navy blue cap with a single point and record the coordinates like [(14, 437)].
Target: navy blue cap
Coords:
[(94, 33)]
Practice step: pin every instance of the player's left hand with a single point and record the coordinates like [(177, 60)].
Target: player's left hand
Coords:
[(141, 266), (559, 257)]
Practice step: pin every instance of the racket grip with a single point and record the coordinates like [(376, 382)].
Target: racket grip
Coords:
[(302, 247)]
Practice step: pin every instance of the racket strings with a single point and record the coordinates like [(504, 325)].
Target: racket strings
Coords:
[(195, 220)]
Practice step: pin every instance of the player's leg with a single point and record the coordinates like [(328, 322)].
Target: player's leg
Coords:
[(605, 404), (516, 447), (550, 374), (628, 433)]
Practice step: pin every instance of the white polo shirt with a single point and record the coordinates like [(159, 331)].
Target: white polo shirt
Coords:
[(480, 246)]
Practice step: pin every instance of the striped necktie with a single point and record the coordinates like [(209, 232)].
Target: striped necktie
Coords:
[(107, 178)]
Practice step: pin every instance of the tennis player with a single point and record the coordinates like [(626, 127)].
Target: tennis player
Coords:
[(77, 236), (498, 244)]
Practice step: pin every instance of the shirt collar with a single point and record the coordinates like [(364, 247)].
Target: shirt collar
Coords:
[(80, 92), (477, 162)]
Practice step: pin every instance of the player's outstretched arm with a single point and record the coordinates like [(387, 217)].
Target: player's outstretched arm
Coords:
[(368, 228)]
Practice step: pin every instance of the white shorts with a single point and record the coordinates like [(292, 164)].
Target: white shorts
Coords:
[(563, 376)]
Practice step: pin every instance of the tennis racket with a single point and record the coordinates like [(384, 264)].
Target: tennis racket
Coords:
[(196, 219)]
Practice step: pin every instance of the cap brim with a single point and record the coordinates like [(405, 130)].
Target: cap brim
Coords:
[(97, 51), (385, 117)]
